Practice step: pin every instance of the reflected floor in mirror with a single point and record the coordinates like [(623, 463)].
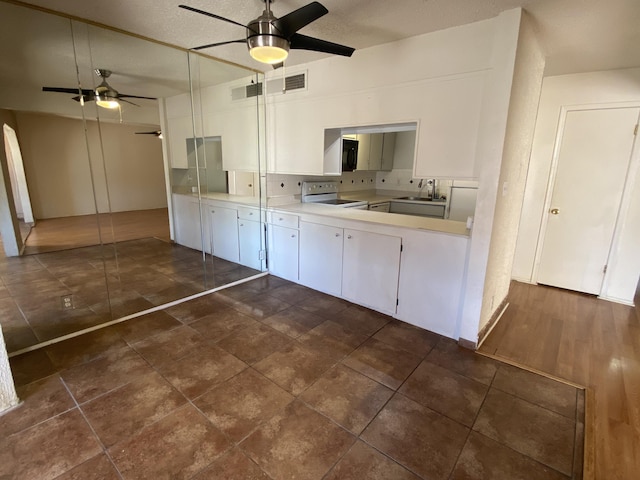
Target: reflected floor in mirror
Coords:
[(271, 380), (54, 234), (104, 283)]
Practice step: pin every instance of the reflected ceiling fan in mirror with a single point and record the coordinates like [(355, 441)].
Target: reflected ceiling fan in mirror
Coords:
[(157, 133), (269, 38), (104, 94)]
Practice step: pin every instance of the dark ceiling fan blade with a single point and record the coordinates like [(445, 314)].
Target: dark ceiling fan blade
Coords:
[(294, 21), (155, 132), (202, 47), (121, 95), (85, 98), (302, 42), (67, 90), (127, 101), (213, 15)]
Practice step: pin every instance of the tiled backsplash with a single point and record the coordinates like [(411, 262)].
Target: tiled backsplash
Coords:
[(281, 185), (398, 180)]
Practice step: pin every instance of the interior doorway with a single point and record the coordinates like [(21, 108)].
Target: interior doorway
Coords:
[(592, 159)]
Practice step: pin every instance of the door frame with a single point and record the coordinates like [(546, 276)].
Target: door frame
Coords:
[(625, 200)]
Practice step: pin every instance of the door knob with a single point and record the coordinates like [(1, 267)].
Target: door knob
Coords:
[(554, 211)]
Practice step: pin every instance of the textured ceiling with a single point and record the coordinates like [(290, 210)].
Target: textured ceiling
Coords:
[(577, 35)]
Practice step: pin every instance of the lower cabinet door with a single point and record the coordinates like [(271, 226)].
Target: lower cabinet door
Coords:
[(321, 257), (224, 233), (249, 233), (283, 252), (370, 269)]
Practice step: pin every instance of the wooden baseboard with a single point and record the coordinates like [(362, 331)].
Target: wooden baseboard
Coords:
[(463, 342)]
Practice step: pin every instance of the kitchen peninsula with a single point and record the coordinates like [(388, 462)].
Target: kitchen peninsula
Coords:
[(409, 267)]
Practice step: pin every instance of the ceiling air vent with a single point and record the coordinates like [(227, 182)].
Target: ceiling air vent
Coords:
[(248, 91), (292, 82)]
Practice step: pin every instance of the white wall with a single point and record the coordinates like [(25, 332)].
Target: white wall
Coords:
[(525, 93), (435, 79), (58, 171), (590, 89)]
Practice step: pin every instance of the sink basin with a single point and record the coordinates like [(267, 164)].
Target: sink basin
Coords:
[(418, 199)]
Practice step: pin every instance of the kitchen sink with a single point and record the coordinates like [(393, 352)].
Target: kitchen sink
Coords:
[(420, 199)]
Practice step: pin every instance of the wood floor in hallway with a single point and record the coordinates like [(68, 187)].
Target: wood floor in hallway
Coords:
[(54, 234), (588, 341)]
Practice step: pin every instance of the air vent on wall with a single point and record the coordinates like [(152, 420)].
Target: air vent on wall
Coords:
[(248, 91), (292, 82)]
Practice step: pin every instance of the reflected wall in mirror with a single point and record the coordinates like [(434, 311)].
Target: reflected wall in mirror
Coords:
[(106, 191)]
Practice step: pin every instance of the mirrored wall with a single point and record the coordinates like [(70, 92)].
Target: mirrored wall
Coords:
[(142, 164)]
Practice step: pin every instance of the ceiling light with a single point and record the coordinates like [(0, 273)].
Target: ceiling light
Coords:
[(106, 102), (270, 55), (266, 44)]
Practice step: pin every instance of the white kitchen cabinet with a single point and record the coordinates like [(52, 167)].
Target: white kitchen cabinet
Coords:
[(180, 129), (240, 146), (250, 246), (186, 214), (250, 235), (364, 151), (321, 257), (432, 272), (283, 252), (388, 151), (370, 269), (224, 233)]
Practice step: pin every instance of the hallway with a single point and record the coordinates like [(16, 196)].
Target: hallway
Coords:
[(588, 341)]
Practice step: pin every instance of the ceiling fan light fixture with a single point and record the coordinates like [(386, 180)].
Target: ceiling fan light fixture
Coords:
[(268, 49), (106, 102)]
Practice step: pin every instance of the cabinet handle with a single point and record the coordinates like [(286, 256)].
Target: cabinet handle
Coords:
[(242, 224), (250, 213), (293, 236), (337, 234), (280, 219), (349, 237)]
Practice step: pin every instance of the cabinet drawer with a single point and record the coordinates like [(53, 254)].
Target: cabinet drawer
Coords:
[(249, 213), (282, 219)]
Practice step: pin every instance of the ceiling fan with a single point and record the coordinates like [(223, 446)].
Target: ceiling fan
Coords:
[(105, 95), (157, 133), (269, 38)]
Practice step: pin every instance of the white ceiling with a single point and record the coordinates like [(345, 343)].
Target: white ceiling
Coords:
[(577, 35)]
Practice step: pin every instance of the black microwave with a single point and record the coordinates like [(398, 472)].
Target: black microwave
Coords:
[(349, 155)]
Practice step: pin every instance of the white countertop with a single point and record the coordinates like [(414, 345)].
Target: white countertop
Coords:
[(289, 205), (384, 218), (225, 197)]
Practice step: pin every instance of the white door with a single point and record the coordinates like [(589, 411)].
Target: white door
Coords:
[(321, 257), (592, 166), (370, 269)]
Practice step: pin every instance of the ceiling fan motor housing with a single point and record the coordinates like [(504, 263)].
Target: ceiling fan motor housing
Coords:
[(262, 33)]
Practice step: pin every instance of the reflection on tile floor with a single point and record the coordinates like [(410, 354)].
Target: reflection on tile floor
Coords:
[(106, 283), (240, 384)]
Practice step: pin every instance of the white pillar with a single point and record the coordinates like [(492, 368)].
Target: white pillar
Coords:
[(8, 396)]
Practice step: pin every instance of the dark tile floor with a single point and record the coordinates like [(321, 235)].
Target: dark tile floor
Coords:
[(270, 380), (106, 283)]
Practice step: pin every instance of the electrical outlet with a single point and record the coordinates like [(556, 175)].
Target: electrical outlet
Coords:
[(67, 301)]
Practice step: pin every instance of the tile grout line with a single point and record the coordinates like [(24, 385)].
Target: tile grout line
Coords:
[(104, 449)]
